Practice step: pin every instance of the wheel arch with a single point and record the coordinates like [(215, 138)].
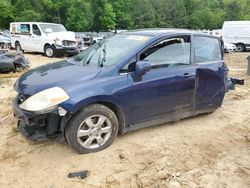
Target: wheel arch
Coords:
[(17, 41), (46, 44), (111, 105), (118, 112)]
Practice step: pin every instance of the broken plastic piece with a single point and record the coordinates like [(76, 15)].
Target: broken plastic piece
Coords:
[(81, 174), (237, 81)]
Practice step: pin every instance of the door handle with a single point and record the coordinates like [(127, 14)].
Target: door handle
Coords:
[(186, 75)]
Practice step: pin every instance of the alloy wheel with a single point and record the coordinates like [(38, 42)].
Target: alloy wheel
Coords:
[(94, 131)]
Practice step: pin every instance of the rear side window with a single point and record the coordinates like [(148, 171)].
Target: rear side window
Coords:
[(25, 29), (207, 49)]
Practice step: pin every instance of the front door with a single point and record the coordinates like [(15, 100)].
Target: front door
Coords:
[(36, 39), (169, 87)]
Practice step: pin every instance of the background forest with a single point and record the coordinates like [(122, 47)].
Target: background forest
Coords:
[(103, 15)]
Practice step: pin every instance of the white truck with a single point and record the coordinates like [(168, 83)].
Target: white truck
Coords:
[(238, 33), (48, 38)]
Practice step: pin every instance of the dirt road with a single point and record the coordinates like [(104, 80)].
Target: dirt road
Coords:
[(206, 151)]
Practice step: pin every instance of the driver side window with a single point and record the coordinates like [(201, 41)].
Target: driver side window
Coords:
[(170, 52), (36, 30)]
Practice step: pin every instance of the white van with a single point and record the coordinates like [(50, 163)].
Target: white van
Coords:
[(48, 38), (238, 33)]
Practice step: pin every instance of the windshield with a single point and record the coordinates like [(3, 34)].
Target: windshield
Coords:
[(52, 28), (111, 50)]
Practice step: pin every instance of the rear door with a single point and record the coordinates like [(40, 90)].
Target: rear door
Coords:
[(24, 35), (210, 75), (169, 87)]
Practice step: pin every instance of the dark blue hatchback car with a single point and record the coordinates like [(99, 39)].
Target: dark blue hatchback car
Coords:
[(132, 80)]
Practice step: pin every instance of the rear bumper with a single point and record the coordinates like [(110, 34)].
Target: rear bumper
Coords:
[(234, 81), (36, 126)]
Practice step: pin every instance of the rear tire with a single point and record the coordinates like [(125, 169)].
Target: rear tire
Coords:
[(49, 51), (240, 47), (92, 129)]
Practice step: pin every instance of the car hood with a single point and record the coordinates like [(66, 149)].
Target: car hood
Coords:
[(61, 74), (4, 39), (64, 35)]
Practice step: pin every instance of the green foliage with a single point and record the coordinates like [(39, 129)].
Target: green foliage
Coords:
[(29, 15), (80, 16), (6, 14), (122, 10), (143, 14), (98, 15), (108, 17)]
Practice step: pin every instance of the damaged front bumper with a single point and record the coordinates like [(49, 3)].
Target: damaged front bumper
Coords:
[(69, 50), (34, 126)]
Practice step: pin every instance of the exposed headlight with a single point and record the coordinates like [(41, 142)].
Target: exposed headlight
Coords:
[(45, 100), (58, 42)]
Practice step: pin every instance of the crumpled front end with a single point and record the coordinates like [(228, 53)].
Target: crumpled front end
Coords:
[(36, 127), (66, 47)]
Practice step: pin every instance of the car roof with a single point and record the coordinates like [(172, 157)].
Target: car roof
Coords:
[(34, 23), (162, 31)]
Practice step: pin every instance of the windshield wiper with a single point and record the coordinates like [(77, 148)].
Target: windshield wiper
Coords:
[(103, 59), (89, 57)]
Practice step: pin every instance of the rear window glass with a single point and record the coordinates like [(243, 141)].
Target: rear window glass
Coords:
[(207, 49)]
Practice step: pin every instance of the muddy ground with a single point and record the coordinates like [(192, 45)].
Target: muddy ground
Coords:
[(206, 151)]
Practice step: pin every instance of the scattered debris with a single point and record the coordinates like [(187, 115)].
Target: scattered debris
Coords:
[(121, 156), (177, 174), (81, 174)]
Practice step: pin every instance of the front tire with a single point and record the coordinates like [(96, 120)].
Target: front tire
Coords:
[(49, 51), (240, 47), (92, 129)]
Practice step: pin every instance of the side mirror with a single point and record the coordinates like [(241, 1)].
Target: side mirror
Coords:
[(142, 67)]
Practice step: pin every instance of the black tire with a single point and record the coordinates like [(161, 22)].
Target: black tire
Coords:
[(49, 51), (78, 120), (240, 47), (18, 47)]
